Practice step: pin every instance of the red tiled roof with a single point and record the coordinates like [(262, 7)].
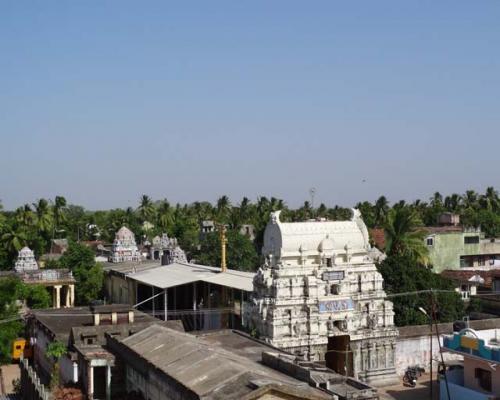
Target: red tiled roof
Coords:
[(378, 237)]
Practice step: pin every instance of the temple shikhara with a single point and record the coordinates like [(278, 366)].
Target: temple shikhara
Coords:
[(166, 249), (124, 247), (60, 282), (25, 260), (319, 296)]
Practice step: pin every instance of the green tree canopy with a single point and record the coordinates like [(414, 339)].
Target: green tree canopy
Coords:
[(88, 274), (12, 292), (402, 274), (403, 236), (240, 251)]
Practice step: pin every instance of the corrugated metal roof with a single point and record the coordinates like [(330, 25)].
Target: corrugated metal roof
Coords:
[(176, 274), (234, 279)]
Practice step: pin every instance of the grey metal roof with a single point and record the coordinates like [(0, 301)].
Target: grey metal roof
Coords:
[(176, 274)]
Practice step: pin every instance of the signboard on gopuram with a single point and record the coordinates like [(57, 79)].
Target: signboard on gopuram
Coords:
[(336, 305)]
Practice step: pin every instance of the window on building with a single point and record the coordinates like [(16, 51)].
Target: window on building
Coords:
[(329, 262), (480, 260), (483, 378), (335, 289), (430, 241), (471, 239)]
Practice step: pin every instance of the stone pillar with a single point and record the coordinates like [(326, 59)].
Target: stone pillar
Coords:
[(67, 297), (90, 383), (71, 295), (108, 382), (57, 296)]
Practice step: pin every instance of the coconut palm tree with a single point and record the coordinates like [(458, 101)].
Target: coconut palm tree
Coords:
[(453, 203), (146, 208), (25, 216), (165, 215), (381, 209), (58, 210), (436, 200), (403, 236), (470, 199), (44, 217), (223, 208), (14, 240), (490, 199)]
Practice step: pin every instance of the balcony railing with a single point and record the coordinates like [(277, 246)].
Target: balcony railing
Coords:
[(49, 275)]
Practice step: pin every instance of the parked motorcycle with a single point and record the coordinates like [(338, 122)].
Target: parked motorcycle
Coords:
[(411, 375)]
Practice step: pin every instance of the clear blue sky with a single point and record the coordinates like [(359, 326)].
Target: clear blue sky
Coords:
[(103, 101)]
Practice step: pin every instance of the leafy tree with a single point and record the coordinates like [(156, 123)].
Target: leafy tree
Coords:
[(55, 350), (403, 274), (36, 296), (12, 291), (14, 240), (223, 209), (44, 215), (240, 251), (402, 236), (146, 208), (165, 217), (88, 274), (58, 212), (380, 211), (368, 213), (11, 328)]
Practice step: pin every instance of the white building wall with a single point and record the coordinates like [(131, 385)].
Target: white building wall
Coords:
[(416, 350), (69, 373)]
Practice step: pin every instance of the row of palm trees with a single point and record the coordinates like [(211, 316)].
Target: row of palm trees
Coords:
[(45, 219)]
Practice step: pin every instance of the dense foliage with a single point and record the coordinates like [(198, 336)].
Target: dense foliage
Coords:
[(12, 293), (402, 274), (88, 274), (242, 256), (38, 223)]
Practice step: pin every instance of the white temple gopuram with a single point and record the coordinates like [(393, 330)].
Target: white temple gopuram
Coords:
[(319, 296), (25, 260), (124, 247), (166, 249), (59, 281)]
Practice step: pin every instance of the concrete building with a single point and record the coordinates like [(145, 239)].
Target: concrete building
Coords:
[(164, 364), (479, 379), (456, 247), (206, 227), (124, 247), (319, 296), (202, 297), (60, 282), (88, 363)]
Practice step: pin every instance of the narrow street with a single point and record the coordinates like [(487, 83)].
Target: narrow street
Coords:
[(419, 392)]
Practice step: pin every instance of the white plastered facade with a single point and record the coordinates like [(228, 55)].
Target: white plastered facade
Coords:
[(319, 280)]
